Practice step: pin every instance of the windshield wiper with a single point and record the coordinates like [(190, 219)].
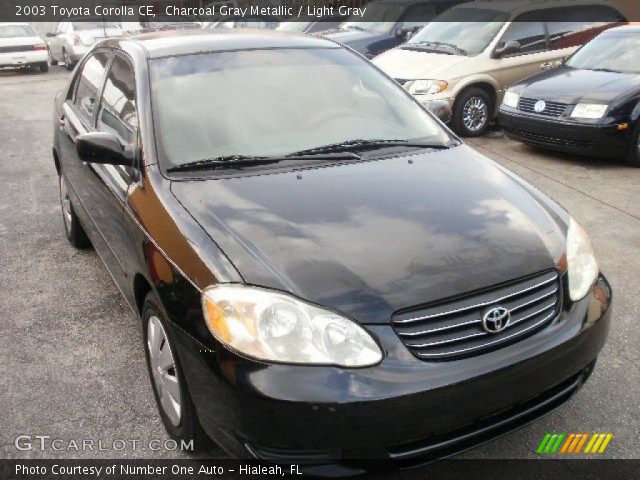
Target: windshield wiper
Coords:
[(440, 44), (604, 70), (237, 161), (361, 145)]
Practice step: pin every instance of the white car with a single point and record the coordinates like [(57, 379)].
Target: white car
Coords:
[(21, 46), (72, 40)]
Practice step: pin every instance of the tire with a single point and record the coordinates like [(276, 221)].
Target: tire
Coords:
[(472, 113), (72, 227), (52, 60), (44, 67), (633, 157), (183, 424), (66, 59)]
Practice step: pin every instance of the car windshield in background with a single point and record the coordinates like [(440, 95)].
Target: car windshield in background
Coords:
[(389, 10), (277, 102), (618, 52), (293, 26), (465, 31), (11, 31), (79, 26)]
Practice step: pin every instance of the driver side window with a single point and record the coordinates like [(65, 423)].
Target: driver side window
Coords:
[(118, 114), (89, 82), (528, 30)]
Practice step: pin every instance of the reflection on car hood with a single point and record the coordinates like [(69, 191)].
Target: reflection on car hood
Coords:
[(413, 64), (567, 85), (368, 238)]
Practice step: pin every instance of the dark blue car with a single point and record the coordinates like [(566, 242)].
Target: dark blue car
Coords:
[(402, 19)]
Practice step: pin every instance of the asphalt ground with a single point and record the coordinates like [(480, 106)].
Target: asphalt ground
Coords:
[(71, 355)]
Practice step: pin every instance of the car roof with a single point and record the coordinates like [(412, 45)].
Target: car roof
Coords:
[(517, 6), (181, 42)]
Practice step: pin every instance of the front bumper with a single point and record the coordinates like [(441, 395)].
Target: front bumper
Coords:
[(597, 139), (22, 59), (401, 412)]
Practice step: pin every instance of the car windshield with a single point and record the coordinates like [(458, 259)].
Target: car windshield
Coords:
[(11, 31), (389, 10), (79, 26), (275, 102), (293, 26), (615, 52), (466, 31)]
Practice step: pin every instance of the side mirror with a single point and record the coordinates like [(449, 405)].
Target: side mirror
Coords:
[(104, 148), (50, 35), (405, 33), (512, 46)]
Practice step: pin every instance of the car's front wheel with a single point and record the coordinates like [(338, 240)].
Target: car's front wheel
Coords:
[(633, 157), (472, 113), (72, 227), (169, 386), (52, 60)]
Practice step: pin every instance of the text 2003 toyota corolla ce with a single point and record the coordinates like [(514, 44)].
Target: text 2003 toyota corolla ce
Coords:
[(324, 273)]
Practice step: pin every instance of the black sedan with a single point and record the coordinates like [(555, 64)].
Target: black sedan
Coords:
[(589, 105), (322, 272)]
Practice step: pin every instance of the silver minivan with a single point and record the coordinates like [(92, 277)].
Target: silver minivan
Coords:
[(471, 54)]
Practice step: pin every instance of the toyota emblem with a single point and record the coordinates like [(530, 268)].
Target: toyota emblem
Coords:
[(496, 319), (540, 106)]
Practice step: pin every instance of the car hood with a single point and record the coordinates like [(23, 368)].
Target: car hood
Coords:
[(568, 85), (413, 64), (369, 238)]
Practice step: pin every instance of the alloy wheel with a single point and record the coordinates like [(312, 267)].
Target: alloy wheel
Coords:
[(475, 114), (66, 59), (65, 201), (163, 370)]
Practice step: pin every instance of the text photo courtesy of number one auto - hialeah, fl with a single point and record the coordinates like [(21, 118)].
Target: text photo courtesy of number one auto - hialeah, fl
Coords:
[(324, 238)]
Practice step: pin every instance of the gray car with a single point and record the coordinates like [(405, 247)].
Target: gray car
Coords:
[(72, 40)]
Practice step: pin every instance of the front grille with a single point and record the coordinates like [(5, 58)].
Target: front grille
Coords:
[(541, 139), (552, 109), (453, 328), (17, 48), (487, 428)]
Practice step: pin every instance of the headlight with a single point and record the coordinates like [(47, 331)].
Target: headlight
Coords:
[(273, 326), (589, 110), (511, 99), (428, 87), (583, 267)]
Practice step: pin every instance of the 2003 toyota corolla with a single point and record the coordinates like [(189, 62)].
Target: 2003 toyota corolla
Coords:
[(323, 271)]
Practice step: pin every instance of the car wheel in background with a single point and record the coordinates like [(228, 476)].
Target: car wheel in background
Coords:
[(167, 380), (52, 61), (68, 64), (472, 113), (633, 157), (72, 227), (44, 67)]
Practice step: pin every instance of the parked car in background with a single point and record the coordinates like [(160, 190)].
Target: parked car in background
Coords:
[(22, 47), (73, 39), (250, 233), (471, 54), (310, 27), (249, 21), (588, 105), (405, 17)]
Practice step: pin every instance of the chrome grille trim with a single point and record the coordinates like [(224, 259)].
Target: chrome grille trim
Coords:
[(477, 305), (454, 327), (501, 340)]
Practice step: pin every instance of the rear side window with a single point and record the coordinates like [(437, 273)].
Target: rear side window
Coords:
[(528, 30), (88, 85), (572, 27), (118, 113)]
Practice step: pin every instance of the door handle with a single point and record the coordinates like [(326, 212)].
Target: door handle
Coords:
[(546, 66)]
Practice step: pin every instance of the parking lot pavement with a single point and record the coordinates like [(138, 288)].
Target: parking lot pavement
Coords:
[(71, 350)]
